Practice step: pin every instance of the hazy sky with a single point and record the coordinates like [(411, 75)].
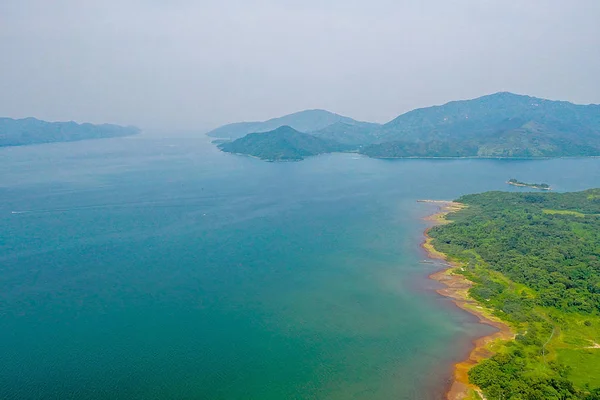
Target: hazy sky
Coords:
[(196, 64)]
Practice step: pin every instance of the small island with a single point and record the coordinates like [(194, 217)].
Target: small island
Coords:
[(540, 186)]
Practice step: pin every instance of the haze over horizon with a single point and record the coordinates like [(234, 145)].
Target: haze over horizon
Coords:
[(185, 65)]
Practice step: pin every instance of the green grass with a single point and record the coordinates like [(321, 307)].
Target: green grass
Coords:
[(564, 212), (585, 364), (473, 395), (575, 332)]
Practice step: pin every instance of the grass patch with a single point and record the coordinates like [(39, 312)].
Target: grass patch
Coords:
[(584, 364), (564, 212)]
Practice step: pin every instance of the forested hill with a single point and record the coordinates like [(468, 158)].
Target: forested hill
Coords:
[(19, 132), (281, 144), (497, 125), (535, 261)]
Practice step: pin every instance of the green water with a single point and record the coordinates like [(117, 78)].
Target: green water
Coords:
[(147, 268)]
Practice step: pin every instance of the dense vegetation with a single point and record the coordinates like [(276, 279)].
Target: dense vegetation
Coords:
[(19, 132), (354, 134), (516, 182), (282, 144), (535, 262), (498, 125)]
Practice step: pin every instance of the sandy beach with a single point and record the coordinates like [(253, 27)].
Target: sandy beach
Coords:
[(457, 288)]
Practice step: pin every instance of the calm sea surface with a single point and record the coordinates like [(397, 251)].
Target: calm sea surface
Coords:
[(147, 268)]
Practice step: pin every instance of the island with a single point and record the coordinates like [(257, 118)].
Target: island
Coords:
[(500, 125), (540, 186), (27, 131), (528, 264)]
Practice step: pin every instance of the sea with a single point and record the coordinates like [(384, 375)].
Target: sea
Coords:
[(156, 267)]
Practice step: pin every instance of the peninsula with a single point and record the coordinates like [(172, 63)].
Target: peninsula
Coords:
[(526, 263), (282, 144)]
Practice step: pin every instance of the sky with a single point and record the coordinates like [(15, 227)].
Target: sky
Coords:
[(195, 65)]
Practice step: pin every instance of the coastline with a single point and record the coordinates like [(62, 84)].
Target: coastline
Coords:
[(457, 288)]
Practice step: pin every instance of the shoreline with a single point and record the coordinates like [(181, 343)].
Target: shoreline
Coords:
[(457, 288)]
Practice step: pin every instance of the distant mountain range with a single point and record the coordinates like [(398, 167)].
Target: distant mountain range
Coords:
[(303, 121), (20, 132), (498, 125)]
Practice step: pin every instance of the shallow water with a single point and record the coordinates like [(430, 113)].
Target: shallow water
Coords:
[(143, 268)]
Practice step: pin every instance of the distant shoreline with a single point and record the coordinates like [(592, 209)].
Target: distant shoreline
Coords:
[(541, 158), (457, 287), (478, 157)]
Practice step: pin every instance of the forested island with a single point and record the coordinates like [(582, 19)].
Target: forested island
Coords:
[(541, 186), (534, 263), (500, 125)]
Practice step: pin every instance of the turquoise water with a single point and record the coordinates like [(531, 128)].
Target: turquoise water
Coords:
[(147, 268)]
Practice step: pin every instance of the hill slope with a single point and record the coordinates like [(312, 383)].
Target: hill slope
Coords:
[(19, 132), (281, 144), (303, 121), (498, 125), (356, 134)]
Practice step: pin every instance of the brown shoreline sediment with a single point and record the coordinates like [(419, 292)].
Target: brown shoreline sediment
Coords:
[(457, 289)]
